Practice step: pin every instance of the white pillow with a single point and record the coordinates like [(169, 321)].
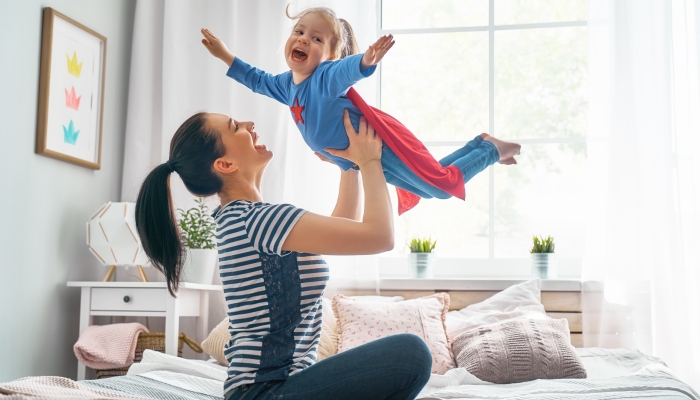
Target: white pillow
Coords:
[(521, 301)]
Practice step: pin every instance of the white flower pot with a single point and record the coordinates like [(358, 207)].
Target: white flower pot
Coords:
[(544, 265), (199, 266), (421, 265)]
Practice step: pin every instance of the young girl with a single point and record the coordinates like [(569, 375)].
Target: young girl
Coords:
[(320, 53)]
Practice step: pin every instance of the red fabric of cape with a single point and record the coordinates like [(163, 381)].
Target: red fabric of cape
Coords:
[(412, 152)]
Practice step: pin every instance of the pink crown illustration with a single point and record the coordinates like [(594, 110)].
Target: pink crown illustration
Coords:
[(71, 100)]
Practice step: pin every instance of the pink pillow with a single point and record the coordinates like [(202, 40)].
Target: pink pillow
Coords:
[(362, 322)]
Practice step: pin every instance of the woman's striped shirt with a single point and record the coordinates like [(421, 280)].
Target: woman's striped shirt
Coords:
[(273, 297)]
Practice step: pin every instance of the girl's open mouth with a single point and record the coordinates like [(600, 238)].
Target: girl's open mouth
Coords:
[(298, 55)]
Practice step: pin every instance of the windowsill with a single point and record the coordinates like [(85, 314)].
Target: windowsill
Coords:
[(396, 266)]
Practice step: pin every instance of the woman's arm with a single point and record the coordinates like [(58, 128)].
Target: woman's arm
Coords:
[(348, 203), (374, 233)]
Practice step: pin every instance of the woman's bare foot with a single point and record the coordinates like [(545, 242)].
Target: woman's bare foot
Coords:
[(506, 150)]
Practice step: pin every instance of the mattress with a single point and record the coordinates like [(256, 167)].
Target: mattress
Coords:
[(612, 374)]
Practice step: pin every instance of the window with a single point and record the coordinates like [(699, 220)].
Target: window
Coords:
[(516, 69)]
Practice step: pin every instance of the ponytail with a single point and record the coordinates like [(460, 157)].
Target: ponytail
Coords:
[(350, 46), (155, 222), (193, 151)]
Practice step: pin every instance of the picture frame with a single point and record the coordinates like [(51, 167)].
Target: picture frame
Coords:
[(71, 91)]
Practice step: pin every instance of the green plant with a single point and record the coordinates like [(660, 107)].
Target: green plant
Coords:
[(197, 226), (419, 245), (542, 244)]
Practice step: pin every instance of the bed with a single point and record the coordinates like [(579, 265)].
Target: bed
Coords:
[(611, 373)]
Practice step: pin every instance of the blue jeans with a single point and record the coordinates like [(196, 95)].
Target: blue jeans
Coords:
[(471, 159), (396, 367)]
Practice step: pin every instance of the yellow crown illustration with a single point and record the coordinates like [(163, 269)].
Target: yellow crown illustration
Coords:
[(73, 66)]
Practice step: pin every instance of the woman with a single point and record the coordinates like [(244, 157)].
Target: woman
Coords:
[(273, 280)]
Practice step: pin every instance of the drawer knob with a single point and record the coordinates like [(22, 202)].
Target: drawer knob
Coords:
[(127, 299)]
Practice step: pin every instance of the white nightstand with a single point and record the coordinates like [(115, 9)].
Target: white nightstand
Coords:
[(145, 299)]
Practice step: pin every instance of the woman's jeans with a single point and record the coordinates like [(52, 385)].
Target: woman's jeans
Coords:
[(471, 159), (396, 367)]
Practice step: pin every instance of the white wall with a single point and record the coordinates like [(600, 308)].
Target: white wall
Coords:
[(44, 203)]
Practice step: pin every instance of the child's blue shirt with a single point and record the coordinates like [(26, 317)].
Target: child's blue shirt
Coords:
[(316, 104)]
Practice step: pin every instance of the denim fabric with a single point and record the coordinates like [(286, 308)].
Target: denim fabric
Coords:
[(471, 159), (394, 368)]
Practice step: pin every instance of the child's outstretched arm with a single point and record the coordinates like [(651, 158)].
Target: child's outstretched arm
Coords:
[(216, 47), (274, 86), (342, 74), (376, 52)]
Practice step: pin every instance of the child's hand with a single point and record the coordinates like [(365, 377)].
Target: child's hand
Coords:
[(216, 47), (376, 52)]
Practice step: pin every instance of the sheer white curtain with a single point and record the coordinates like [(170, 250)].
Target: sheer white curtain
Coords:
[(642, 254), (173, 77)]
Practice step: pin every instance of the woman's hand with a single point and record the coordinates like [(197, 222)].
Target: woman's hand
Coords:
[(376, 52), (365, 146), (216, 47)]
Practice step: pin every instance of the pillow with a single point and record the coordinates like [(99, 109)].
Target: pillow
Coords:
[(361, 322), (328, 345), (215, 342), (521, 301), (518, 351), (378, 299)]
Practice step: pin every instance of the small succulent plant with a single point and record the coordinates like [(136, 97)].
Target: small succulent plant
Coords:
[(542, 244), (419, 245)]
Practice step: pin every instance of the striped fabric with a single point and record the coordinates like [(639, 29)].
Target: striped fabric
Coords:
[(273, 297)]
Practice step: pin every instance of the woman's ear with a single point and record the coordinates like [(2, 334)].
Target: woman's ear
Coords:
[(223, 166)]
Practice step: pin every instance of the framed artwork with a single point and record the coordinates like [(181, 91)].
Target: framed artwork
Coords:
[(71, 91)]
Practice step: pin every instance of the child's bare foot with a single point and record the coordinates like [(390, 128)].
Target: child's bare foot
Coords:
[(506, 150)]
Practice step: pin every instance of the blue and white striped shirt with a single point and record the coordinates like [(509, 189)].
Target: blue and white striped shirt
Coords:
[(273, 297)]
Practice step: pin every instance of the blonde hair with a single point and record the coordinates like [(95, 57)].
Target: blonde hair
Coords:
[(343, 43)]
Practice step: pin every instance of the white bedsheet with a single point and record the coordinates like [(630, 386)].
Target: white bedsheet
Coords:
[(193, 375), (206, 377), (600, 364)]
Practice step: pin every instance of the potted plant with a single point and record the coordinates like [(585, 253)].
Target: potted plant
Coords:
[(544, 261), (421, 260), (197, 230)]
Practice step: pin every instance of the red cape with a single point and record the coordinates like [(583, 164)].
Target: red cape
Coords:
[(412, 152)]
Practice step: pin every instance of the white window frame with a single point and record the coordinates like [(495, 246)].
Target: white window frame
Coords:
[(391, 265)]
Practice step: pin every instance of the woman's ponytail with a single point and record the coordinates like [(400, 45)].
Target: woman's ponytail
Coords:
[(193, 150), (350, 46), (156, 225)]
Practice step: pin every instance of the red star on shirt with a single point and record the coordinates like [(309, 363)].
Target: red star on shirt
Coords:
[(297, 109)]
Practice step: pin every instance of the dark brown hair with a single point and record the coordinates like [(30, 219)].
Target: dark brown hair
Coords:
[(193, 150)]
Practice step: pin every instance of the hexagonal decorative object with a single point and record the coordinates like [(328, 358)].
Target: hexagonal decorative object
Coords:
[(111, 235)]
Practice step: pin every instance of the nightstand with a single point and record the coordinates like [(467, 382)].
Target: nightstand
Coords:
[(145, 299)]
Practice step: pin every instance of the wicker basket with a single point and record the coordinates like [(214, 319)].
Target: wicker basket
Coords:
[(151, 341)]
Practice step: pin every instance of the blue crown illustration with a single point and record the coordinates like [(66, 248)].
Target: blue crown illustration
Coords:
[(70, 135)]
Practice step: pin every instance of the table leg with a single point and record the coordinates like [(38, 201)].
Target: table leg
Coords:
[(172, 324), (203, 319), (85, 321)]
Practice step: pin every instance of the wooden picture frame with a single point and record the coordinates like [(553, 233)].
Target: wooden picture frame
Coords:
[(71, 91)]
